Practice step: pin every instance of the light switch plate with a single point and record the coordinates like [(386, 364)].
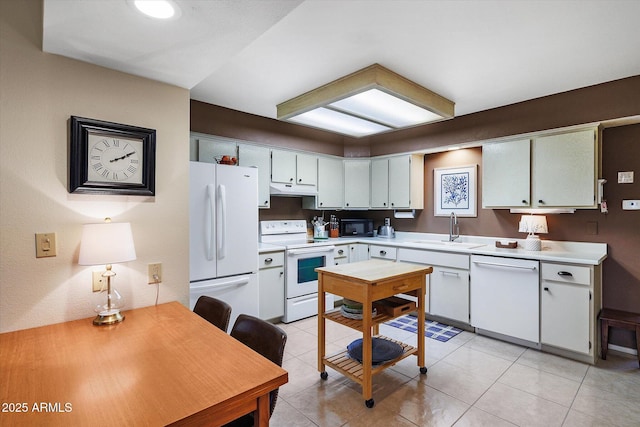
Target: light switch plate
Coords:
[(625, 177), (45, 245)]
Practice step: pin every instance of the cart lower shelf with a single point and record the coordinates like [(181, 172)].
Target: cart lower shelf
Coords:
[(353, 369)]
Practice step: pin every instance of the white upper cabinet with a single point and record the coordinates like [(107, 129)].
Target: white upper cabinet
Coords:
[(564, 170), (307, 169), (380, 183), (551, 171), (406, 181), (291, 167), (258, 157), (283, 166), (330, 185), (506, 174), (356, 183)]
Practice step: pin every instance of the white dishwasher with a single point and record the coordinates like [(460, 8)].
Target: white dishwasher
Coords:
[(505, 297)]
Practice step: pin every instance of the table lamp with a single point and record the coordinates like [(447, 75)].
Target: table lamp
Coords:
[(107, 243), (533, 224)]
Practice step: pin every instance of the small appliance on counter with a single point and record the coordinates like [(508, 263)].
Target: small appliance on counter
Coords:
[(356, 227), (386, 230)]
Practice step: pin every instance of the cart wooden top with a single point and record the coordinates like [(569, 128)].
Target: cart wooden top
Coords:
[(374, 270)]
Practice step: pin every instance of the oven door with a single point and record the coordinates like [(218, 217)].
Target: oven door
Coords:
[(302, 279)]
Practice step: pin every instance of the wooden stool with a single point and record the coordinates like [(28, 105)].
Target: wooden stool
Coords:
[(618, 319)]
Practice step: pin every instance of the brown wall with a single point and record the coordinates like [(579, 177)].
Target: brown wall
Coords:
[(620, 152), (612, 100)]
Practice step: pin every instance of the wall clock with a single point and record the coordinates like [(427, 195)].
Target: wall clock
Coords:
[(111, 158)]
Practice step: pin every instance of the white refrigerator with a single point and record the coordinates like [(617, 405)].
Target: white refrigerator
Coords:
[(223, 235)]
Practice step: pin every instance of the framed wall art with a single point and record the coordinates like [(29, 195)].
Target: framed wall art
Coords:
[(111, 158), (455, 190)]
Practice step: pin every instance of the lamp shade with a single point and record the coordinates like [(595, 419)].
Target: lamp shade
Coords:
[(107, 243), (533, 224)]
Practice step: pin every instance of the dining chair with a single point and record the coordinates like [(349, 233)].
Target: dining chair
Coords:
[(213, 310), (264, 338)]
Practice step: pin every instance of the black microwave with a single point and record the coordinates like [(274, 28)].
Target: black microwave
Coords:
[(356, 227)]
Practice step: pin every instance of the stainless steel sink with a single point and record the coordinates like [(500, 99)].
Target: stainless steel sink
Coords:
[(448, 243)]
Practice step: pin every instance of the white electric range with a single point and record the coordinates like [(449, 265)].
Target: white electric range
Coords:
[(302, 256)]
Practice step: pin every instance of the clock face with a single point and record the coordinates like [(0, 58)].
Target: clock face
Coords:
[(114, 159)]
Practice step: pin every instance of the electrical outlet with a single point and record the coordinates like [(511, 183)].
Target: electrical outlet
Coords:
[(155, 273), (98, 281)]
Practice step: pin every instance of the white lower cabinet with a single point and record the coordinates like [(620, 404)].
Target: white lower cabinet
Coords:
[(448, 284), (450, 293), (358, 252), (566, 307), (271, 285)]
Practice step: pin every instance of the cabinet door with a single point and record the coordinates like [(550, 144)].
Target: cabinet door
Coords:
[(506, 174), (306, 169), (356, 183), (399, 175), (564, 170), (380, 183), (565, 316), (271, 292), (358, 252), (450, 293), (283, 166), (406, 182), (330, 183), (258, 157)]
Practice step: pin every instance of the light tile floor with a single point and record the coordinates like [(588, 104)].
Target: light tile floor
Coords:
[(472, 381)]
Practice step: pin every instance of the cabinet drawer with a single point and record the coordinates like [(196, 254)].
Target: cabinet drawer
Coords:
[(271, 259), (389, 288), (564, 273), (341, 251), (385, 252)]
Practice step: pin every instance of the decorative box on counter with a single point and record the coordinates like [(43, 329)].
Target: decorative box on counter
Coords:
[(394, 306)]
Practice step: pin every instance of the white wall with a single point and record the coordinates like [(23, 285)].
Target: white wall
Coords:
[(38, 94)]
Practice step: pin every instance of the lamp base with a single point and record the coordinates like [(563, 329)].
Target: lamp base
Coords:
[(532, 243), (108, 317)]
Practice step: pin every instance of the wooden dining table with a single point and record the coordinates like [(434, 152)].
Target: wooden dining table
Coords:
[(163, 365)]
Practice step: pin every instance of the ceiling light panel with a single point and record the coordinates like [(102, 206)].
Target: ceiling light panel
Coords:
[(374, 94), (336, 121), (382, 107)]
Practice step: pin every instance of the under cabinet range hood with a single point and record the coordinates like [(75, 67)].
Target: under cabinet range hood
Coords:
[(292, 190)]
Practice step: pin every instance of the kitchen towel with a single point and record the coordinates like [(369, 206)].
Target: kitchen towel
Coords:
[(432, 329)]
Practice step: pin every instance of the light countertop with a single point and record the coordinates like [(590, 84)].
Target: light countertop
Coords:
[(554, 251)]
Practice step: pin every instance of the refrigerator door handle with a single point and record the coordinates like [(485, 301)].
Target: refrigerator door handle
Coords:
[(222, 231), (210, 221)]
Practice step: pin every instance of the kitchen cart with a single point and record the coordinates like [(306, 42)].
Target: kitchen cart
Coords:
[(366, 282)]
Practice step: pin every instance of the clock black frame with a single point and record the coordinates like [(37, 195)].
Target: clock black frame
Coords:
[(80, 128)]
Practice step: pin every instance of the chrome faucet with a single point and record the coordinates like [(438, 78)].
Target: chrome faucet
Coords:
[(453, 227)]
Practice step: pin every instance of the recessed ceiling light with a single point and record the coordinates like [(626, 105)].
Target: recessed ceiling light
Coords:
[(159, 9)]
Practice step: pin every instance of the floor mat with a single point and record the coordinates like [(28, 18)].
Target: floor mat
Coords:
[(432, 329)]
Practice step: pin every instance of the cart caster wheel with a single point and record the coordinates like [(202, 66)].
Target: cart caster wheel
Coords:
[(369, 403), (423, 370), (324, 375)]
